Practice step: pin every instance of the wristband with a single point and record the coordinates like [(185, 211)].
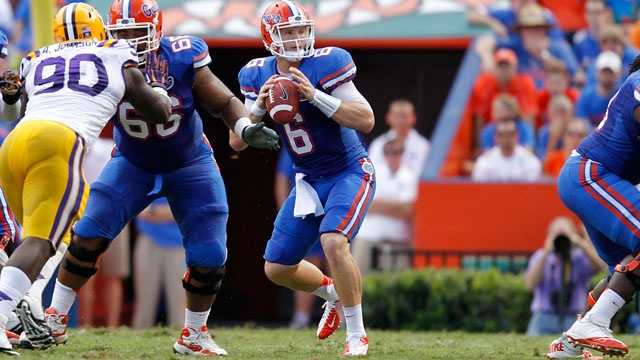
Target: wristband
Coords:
[(326, 103), (241, 124), (258, 110)]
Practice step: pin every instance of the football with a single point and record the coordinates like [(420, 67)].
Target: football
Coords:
[(283, 102)]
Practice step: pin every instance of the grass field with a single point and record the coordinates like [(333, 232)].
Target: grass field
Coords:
[(248, 343)]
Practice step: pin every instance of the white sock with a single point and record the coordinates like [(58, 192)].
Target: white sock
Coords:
[(45, 275), (63, 298), (326, 291), (353, 318), (14, 283), (605, 308), (195, 320)]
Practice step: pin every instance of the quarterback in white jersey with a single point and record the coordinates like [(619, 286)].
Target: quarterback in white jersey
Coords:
[(71, 90)]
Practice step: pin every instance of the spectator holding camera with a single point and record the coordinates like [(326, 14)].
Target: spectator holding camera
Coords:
[(559, 275)]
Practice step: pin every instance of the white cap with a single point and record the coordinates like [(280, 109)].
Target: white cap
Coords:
[(609, 60)]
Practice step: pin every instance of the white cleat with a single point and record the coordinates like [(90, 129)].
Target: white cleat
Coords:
[(561, 348), (5, 345), (586, 333), (58, 325), (196, 342), (330, 321), (356, 346)]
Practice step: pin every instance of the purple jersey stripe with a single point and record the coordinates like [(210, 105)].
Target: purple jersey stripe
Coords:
[(70, 178)]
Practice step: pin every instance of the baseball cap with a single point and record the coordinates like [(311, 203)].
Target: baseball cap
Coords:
[(609, 60), (532, 15)]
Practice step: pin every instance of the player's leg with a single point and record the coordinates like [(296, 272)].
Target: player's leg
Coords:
[(116, 197), (346, 206), (198, 201), (608, 204), (42, 163), (303, 301)]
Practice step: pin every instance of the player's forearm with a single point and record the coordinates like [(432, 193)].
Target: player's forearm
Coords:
[(233, 111), (236, 142), (534, 275), (356, 116)]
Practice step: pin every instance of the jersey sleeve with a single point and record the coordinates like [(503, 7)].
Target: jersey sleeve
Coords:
[(199, 52), (247, 81), (25, 66), (125, 52), (336, 67)]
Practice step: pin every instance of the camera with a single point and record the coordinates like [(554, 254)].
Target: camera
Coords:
[(562, 245)]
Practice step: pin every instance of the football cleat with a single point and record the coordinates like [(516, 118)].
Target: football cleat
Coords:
[(356, 346), (197, 343), (58, 325), (14, 339), (36, 333), (561, 348), (586, 333), (330, 321)]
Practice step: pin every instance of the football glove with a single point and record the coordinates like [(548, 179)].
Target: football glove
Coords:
[(157, 70), (261, 137)]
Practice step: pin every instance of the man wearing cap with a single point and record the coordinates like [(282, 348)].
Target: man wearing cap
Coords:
[(586, 43), (9, 85), (594, 99), (612, 39), (503, 79)]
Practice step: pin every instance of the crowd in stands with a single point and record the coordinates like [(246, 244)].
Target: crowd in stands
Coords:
[(550, 69)]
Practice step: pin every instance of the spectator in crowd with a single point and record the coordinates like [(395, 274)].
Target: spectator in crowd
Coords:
[(114, 263), (303, 301), (593, 101), (559, 275), (158, 247), (6, 17), (533, 47), (388, 224), (612, 39), (401, 118), (503, 20), (575, 132), (556, 82), (507, 161), (586, 43), (624, 11), (504, 79), (550, 136), (504, 109)]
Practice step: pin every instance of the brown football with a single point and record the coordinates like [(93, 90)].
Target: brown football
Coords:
[(283, 102)]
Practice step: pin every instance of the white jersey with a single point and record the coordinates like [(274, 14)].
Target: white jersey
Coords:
[(77, 83)]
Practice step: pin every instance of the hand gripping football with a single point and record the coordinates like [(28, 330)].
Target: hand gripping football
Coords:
[(283, 102)]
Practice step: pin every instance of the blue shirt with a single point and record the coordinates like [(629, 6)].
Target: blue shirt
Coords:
[(166, 234), (509, 18), (624, 10), (526, 135), (285, 167), (591, 105), (628, 56), (616, 142), (318, 145), (586, 48), (164, 147)]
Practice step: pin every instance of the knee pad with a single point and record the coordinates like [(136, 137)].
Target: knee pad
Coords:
[(80, 251), (632, 271), (201, 280)]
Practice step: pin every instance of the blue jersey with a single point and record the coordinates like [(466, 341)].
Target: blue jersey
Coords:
[(616, 142), (318, 145), (163, 147)]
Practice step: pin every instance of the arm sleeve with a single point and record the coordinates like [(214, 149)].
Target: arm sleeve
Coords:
[(126, 53), (349, 92)]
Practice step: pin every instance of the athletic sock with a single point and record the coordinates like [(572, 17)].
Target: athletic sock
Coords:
[(195, 320), (63, 298), (326, 291), (45, 275), (14, 283), (353, 318), (605, 308)]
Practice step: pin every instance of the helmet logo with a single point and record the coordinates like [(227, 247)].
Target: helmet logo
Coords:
[(271, 18), (149, 10)]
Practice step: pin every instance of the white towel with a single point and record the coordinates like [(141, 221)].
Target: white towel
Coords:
[(307, 201)]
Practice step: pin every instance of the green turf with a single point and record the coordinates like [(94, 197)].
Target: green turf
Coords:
[(247, 343)]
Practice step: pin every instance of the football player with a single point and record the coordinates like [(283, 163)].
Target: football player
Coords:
[(334, 181), (9, 85), (598, 183), (173, 160), (40, 160)]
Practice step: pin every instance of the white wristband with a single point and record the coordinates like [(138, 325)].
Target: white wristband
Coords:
[(326, 103), (241, 124), (258, 110)]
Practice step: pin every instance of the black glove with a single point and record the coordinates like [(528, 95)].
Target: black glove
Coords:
[(10, 87), (261, 137)]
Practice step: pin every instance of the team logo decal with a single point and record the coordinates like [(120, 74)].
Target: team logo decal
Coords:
[(367, 167), (170, 82), (149, 10), (271, 19)]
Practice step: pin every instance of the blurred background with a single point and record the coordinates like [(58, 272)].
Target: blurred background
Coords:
[(478, 103)]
